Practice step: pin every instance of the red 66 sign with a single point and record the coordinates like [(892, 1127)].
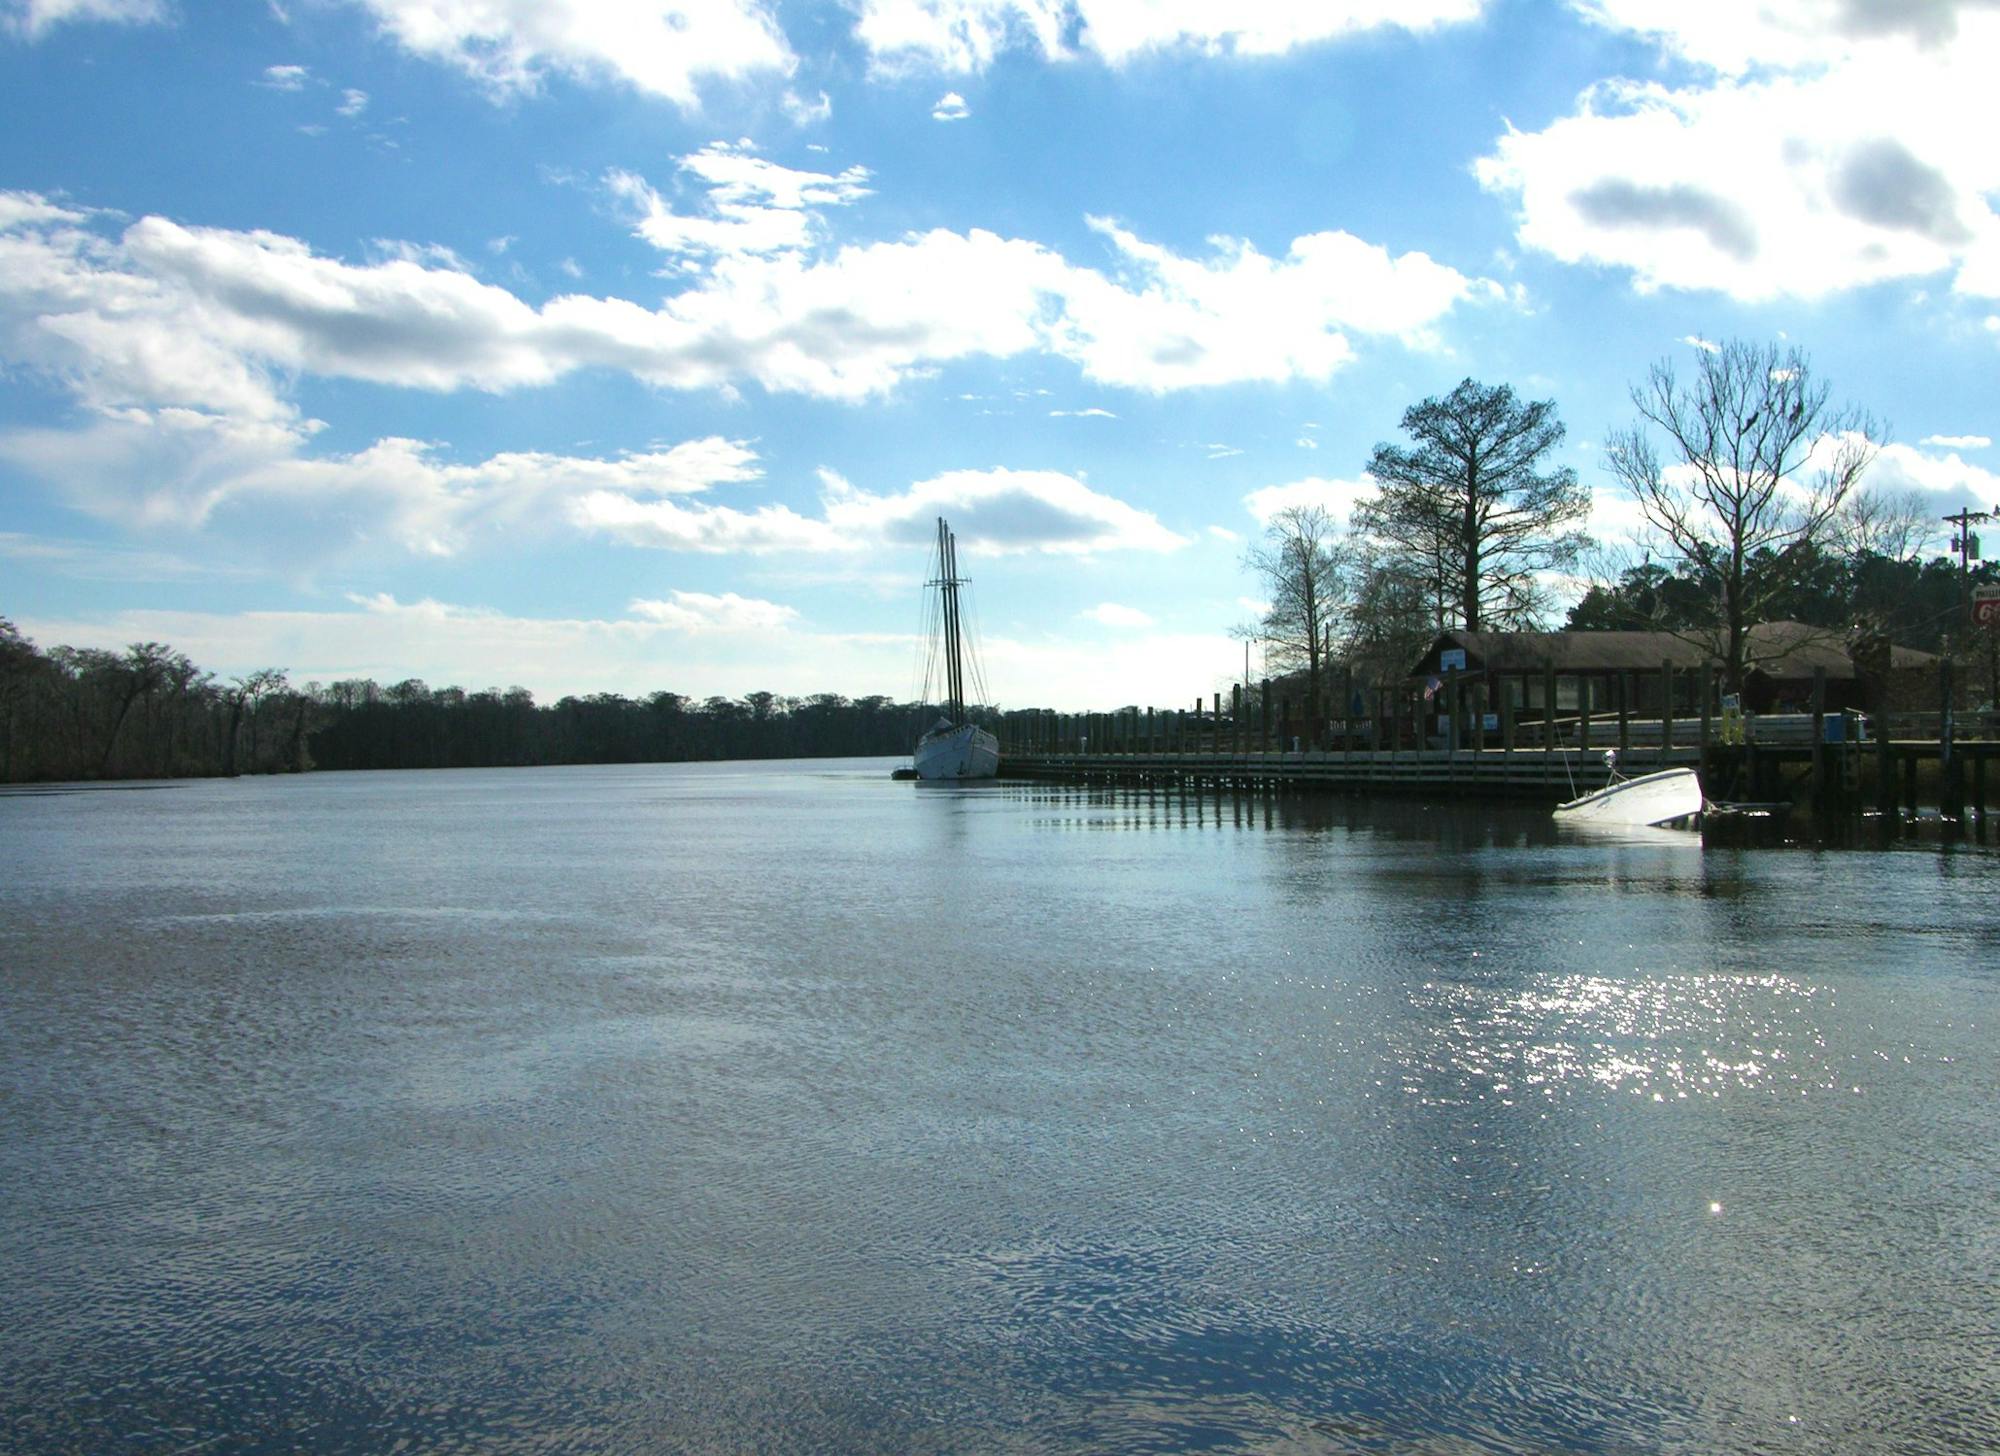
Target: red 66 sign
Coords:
[(1986, 606)]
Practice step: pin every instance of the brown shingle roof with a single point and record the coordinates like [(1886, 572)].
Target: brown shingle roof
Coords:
[(1780, 649)]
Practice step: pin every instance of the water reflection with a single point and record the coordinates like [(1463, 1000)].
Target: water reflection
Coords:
[(760, 1109)]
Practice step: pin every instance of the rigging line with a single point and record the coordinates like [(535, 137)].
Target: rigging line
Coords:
[(970, 607)]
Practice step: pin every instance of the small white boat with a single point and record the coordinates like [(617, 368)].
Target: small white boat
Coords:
[(1654, 798)]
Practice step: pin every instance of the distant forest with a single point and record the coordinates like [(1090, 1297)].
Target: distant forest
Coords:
[(149, 712)]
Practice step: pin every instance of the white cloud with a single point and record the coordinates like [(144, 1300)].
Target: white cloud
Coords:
[(705, 612), (1943, 482), (1738, 36), (444, 644), (1947, 481), (950, 107), (285, 78), (1696, 341), (1078, 669), (352, 102), (1093, 413), (1111, 614), (968, 35), (185, 470), (698, 651), (1958, 442), (673, 525), (33, 18), (99, 561), (751, 206), (165, 315), (1223, 533), (993, 513), (1827, 145), (1337, 497), (802, 112), (1164, 322), (1000, 512), (666, 48)]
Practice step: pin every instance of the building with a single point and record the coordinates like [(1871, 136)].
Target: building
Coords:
[(1598, 672)]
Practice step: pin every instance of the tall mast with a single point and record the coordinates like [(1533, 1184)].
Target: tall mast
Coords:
[(948, 585)]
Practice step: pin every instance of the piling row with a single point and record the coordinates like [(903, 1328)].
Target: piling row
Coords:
[(1831, 762)]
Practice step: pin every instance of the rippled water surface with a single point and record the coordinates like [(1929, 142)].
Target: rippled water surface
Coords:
[(783, 1108)]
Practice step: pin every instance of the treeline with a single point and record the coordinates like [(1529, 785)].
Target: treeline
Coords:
[(150, 712), (410, 725), (1912, 602)]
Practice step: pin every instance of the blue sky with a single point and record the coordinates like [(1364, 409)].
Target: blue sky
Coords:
[(609, 348)]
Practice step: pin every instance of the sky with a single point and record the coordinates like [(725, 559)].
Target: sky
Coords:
[(617, 348)]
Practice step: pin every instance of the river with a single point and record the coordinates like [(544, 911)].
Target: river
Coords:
[(779, 1107)]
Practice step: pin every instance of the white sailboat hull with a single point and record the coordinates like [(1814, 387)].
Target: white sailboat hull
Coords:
[(1655, 798), (965, 752)]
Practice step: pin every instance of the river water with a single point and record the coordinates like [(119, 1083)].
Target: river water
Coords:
[(785, 1108)]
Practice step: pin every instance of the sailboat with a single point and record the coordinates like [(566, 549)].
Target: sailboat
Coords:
[(954, 748)]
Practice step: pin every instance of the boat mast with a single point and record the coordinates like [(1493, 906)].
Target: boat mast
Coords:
[(948, 586)]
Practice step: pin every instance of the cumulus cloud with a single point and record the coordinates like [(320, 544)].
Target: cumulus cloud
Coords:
[(352, 102), (689, 611), (806, 112), (950, 107), (749, 206), (1336, 497), (1111, 614), (993, 512), (162, 314), (999, 512), (1958, 442), (1822, 145), (185, 469), (285, 78), (381, 637), (697, 650), (665, 48), (34, 18), (968, 35), (1946, 481), (1161, 321), (1942, 482)]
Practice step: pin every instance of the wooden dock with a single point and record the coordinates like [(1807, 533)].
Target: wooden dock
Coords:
[(1897, 766)]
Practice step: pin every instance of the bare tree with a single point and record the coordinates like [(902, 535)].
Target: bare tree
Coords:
[(1763, 466), (1897, 524), (248, 693), (1303, 561), (1471, 504), (1393, 618)]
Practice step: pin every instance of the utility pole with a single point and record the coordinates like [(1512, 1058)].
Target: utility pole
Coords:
[(1967, 546)]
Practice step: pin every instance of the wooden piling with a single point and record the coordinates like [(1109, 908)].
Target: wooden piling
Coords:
[(1951, 786), (1666, 710), (1819, 795), (1549, 723)]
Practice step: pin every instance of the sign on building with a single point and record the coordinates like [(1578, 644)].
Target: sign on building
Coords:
[(1986, 606)]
